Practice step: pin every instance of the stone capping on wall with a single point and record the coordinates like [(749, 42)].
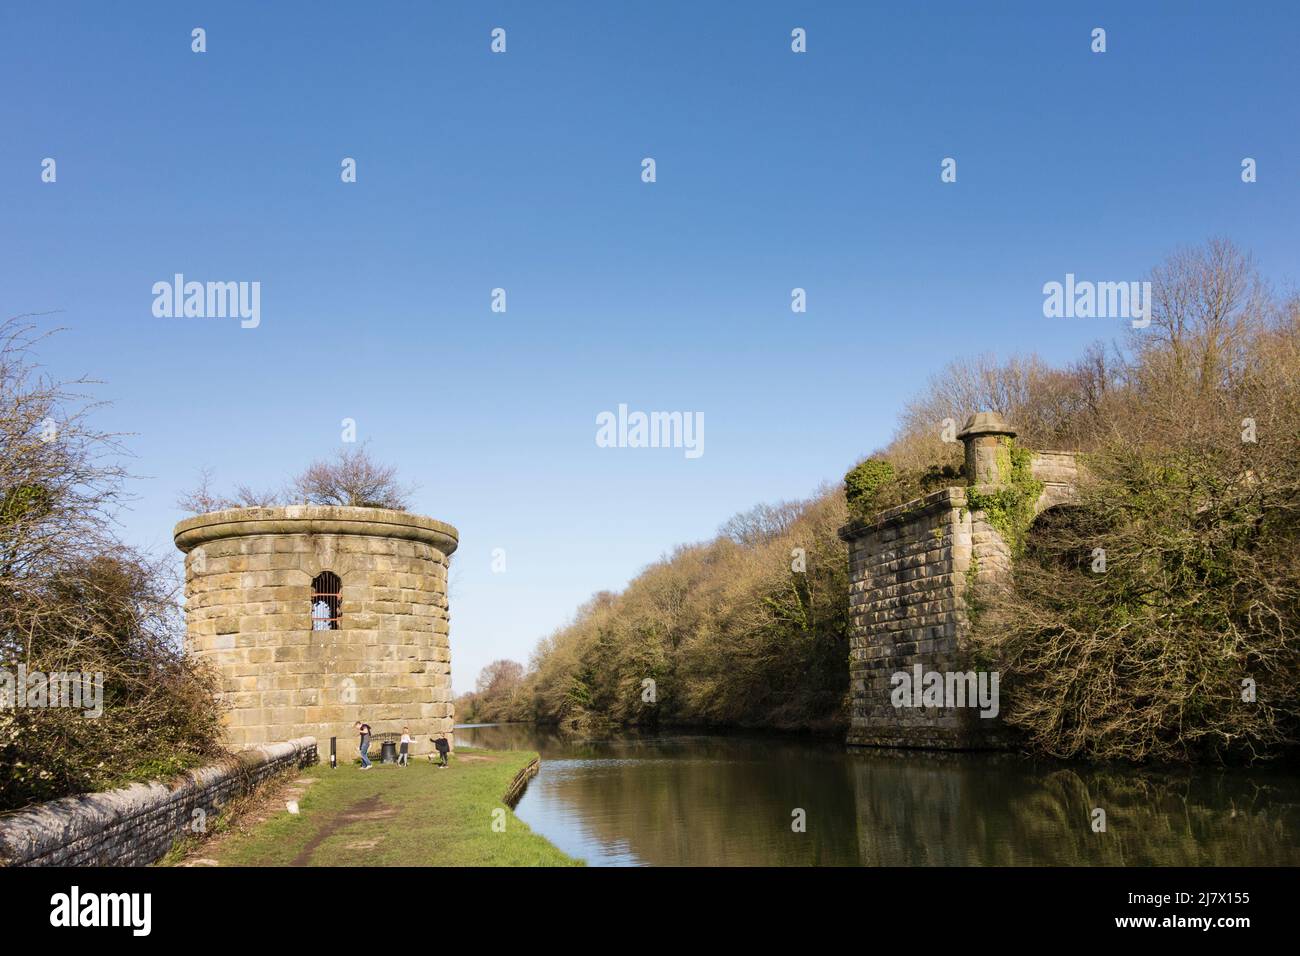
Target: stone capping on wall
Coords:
[(137, 825), (315, 519), (944, 499)]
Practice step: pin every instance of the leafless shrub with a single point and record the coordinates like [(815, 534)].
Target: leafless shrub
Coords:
[(352, 478), (1192, 497), (203, 498), (74, 599)]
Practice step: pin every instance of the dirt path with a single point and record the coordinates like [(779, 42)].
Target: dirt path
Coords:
[(245, 813), (371, 808)]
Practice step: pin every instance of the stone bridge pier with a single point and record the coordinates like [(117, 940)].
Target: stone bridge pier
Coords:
[(909, 571)]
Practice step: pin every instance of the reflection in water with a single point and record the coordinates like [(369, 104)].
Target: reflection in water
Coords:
[(695, 799)]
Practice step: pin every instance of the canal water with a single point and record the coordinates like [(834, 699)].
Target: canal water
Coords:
[(683, 799)]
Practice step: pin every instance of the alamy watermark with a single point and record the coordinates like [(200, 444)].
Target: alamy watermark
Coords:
[(922, 688), (208, 300), (1098, 300), (37, 690), (75, 908), (651, 430)]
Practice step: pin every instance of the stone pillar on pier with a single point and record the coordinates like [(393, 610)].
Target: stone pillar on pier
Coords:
[(987, 438)]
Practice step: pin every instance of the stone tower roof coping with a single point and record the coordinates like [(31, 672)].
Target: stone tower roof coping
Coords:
[(315, 519), (986, 423)]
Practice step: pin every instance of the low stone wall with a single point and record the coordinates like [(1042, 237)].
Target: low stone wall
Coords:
[(137, 825)]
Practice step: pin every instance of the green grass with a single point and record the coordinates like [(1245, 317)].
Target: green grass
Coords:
[(394, 816)]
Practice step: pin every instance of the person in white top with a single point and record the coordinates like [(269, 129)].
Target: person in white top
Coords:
[(406, 747)]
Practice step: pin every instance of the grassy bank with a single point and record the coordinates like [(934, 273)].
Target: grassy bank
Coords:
[(393, 816)]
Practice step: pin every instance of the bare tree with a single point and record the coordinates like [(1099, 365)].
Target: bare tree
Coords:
[(60, 478), (352, 478), (500, 678), (1208, 302), (247, 497), (203, 498), (74, 599), (494, 695), (762, 522), (1043, 403)]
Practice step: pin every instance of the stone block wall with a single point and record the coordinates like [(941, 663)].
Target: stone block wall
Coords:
[(1059, 473), (249, 576), (909, 568), (137, 825)]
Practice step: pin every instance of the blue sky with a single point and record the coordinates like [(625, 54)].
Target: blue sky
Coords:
[(522, 170)]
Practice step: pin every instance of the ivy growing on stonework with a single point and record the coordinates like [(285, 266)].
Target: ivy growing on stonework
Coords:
[(1009, 508)]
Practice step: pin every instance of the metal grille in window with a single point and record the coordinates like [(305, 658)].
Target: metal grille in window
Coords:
[(326, 601)]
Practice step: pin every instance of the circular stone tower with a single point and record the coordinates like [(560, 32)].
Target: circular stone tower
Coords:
[(317, 617)]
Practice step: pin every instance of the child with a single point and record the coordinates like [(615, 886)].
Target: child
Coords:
[(406, 747), (440, 744)]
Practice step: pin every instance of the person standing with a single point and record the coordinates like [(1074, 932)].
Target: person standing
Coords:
[(443, 748), (406, 747), (364, 731)]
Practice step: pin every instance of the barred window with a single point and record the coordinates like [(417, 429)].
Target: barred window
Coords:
[(326, 602)]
